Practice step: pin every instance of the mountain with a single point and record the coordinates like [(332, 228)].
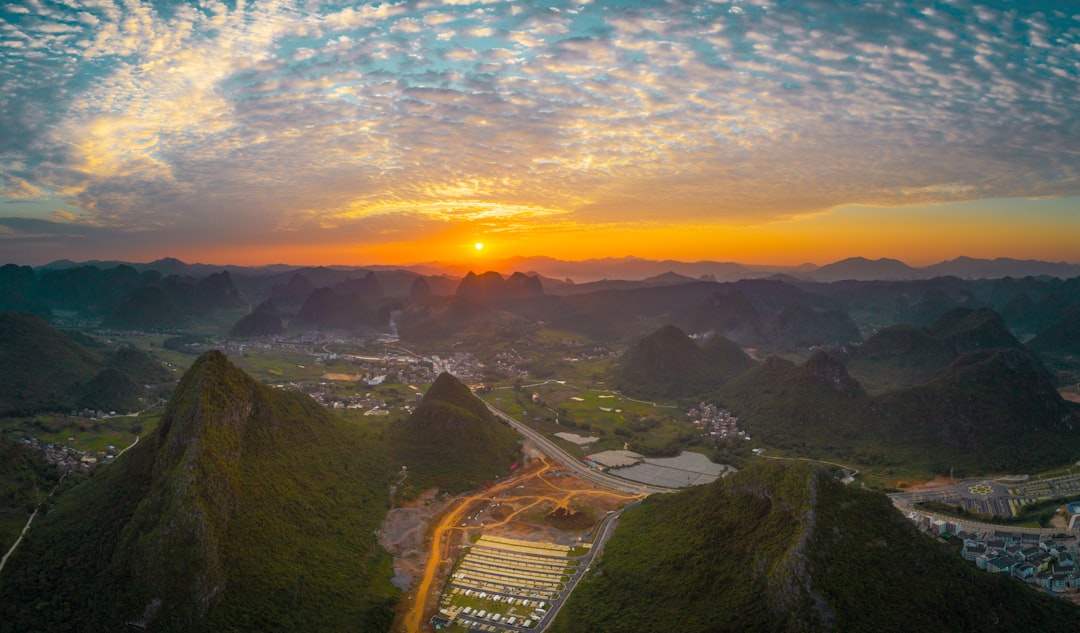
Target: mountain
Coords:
[(490, 288), (41, 368), (1062, 336), (366, 287), (778, 549), (263, 321), (451, 441), (146, 308), (216, 291), (293, 292), (730, 314), (326, 309), (18, 290), (799, 327), (972, 268), (667, 364), (620, 268), (812, 407), (248, 509), (863, 268), (989, 411), (44, 369), (906, 355), (420, 289), (520, 286)]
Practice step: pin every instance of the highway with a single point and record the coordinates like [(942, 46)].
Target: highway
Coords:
[(581, 470)]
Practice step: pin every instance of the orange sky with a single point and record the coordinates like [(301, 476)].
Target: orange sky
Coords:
[(918, 235)]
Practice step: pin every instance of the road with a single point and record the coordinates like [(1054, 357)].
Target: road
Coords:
[(414, 619), (607, 527), (569, 461), (11, 551)]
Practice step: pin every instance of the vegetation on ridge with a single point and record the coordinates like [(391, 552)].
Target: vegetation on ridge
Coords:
[(452, 441), (786, 548), (249, 509)]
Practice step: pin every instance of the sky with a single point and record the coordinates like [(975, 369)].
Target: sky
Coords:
[(759, 131)]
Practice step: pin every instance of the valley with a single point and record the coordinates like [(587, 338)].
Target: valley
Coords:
[(505, 433)]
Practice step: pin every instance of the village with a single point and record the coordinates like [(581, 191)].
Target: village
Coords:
[(1045, 558), (67, 459), (716, 421)]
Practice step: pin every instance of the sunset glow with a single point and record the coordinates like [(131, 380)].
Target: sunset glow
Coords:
[(327, 133)]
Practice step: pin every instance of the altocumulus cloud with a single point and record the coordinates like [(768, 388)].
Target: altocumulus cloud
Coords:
[(309, 117)]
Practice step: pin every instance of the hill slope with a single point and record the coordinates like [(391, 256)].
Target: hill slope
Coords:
[(668, 363), (249, 509), (783, 548), (451, 441), (906, 355), (990, 411), (41, 368), (44, 369), (25, 480)]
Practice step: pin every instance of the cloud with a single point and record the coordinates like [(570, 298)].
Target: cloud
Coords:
[(284, 114)]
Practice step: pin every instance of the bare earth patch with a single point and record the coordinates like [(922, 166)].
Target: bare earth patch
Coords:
[(402, 534)]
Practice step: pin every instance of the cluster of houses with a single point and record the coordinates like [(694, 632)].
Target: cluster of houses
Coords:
[(716, 421), (509, 364), (66, 458), (1048, 563)]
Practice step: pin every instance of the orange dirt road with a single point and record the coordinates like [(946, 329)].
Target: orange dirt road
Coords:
[(414, 619)]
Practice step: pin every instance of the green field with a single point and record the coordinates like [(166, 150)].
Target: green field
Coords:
[(83, 434)]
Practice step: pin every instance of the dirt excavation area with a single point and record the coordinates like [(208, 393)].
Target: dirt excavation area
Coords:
[(542, 502), (404, 531)]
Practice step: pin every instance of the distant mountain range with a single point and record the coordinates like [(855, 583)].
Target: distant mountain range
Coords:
[(559, 272)]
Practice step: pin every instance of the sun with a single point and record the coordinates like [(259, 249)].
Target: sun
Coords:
[(479, 246)]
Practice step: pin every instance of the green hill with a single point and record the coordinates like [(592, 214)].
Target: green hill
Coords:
[(41, 368), (994, 410), (451, 441), (990, 411), (782, 549), (44, 369), (906, 355), (249, 509), (667, 364), (813, 407)]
